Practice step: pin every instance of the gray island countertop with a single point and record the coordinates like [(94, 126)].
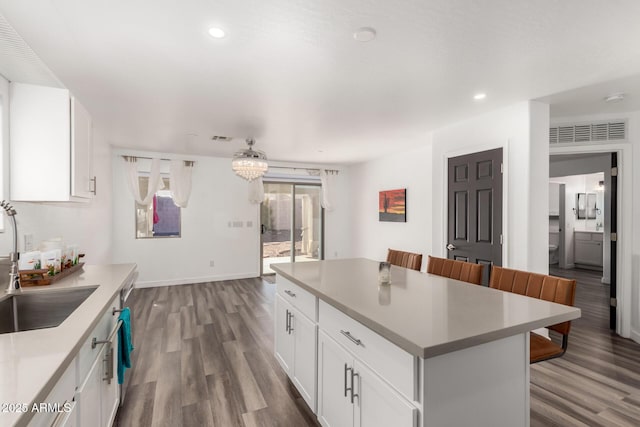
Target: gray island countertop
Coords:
[(425, 314)]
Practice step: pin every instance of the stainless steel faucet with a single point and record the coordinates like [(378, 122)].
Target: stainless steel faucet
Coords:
[(14, 275)]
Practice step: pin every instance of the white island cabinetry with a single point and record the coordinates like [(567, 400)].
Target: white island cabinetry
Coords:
[(295, 338), (424, 351)]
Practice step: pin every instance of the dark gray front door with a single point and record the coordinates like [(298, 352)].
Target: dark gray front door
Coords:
[(475, 209)]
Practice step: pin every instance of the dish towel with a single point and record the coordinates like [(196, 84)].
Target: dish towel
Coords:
[(125, 346)]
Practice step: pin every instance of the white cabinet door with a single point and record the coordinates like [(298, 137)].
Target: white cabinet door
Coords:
[(588, 252), (334, 379), (304, 357), (80, 150), (50, 145), (88, 396), (282, 335), (109, 390), (39, 143), (377, 404)]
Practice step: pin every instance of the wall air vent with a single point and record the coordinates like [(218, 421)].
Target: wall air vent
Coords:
[(579, 133), (221, 138)]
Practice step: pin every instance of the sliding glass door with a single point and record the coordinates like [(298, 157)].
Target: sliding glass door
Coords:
[(291, 227)]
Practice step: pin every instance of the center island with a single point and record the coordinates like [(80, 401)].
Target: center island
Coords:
[(422, 351)]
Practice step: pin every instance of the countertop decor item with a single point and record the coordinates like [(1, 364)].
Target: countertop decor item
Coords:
[(40, 277), (384, 273), (248, 163)]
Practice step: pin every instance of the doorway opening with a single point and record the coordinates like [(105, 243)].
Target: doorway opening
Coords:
[(292, 224), (582, 221)]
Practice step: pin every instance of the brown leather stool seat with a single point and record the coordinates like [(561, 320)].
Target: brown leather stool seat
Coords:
[(454, 269), (548, 288), (405, 259)]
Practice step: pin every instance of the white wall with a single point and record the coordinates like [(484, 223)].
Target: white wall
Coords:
[(522, 131), (87, 224), (218, 197), (410, 170)]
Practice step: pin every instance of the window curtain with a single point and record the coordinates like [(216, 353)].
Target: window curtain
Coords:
[(180, 179), (155, 181), (327, 180), (256, 191)]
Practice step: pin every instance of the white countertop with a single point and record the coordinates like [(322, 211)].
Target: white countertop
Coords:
[(31, 362), (582, 230), (427, 315)]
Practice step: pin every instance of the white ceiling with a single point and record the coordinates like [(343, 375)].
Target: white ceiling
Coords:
[(591, 99), (290, 74)]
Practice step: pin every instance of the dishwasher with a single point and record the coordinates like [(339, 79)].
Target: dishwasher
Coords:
[(125, 293)]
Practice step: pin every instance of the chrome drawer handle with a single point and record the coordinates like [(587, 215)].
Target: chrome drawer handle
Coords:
[(351, 337), (291, 294)]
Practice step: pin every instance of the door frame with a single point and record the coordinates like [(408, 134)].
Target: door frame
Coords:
[(293, 183), (624, 252), (505, 191)]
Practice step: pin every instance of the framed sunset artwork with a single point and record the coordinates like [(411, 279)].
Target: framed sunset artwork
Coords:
[(392, 205)]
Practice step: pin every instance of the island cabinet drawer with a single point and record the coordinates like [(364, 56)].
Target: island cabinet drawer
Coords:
[(389, 361), (298, 297), (87, 354)]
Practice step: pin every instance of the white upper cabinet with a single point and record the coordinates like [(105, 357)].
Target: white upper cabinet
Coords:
[(50, 145)]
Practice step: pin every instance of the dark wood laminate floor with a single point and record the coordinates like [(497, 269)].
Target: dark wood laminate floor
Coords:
[(597, 381), (204, 357)]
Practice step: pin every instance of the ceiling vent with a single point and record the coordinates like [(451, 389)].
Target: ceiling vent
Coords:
[(609, 131), (221, 138), (19, 63)]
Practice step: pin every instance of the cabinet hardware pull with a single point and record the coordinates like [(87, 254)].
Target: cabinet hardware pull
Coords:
[(351, 337), (286, 328), (95, 341), (354, 374), (291, 294), (290, 322), (95, 185), (347, 389)]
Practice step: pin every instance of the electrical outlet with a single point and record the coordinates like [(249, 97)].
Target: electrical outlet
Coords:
[(28, 242), (237, 224), (211, 263)]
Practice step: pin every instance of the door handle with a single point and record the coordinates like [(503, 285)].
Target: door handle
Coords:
[(263, 229), (450, 247)]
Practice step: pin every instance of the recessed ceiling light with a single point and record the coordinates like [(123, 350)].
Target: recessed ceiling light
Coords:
[(364, 34), (479, 96), (617, 97), (216, 33)]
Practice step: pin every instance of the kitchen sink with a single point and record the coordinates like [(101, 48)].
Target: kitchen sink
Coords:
[(38, 310)]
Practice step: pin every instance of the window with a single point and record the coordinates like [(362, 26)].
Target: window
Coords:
[(161, 218)]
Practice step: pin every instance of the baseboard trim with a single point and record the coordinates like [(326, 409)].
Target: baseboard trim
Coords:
[(191, 280), (635, 335)]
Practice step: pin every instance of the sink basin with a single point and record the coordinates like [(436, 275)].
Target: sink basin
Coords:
[(28, 311)]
